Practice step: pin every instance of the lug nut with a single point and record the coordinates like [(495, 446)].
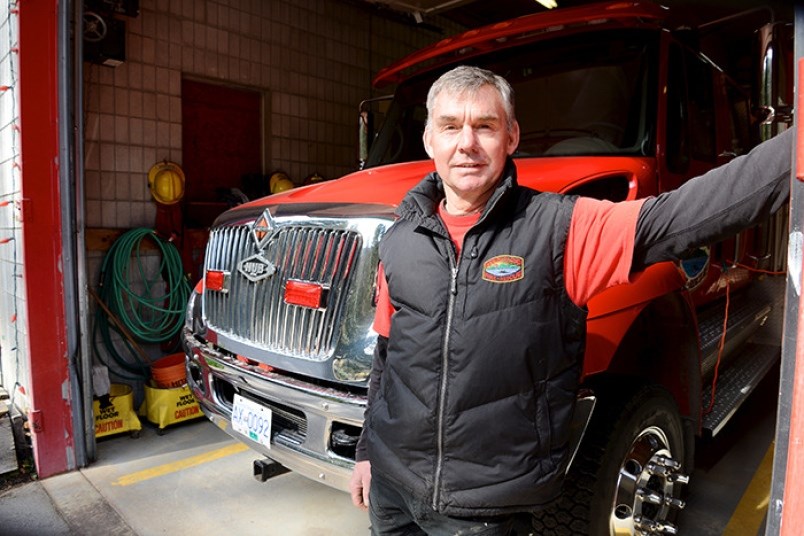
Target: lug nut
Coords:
[(644, 525), (668, 528), (650, 526), (672, 502), (650, 496), (679, 478), (670, 463), (657, 470)]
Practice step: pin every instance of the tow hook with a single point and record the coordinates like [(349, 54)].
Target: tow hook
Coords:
[(268, 468)]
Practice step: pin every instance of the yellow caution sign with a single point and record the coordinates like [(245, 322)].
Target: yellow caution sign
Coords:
[(164, 407), (119, 416)]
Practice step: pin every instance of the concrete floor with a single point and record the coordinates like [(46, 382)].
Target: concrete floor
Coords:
[(194, 479)]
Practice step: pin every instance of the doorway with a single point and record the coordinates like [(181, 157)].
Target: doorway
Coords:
[(221, 144)]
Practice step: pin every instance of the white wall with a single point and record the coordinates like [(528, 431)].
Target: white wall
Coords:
[(13, 339)]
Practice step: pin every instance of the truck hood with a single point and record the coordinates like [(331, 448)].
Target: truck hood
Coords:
[(358, 208), (387, 185)]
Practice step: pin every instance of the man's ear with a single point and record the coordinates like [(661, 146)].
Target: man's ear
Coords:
[(513, 139), (428, 148)]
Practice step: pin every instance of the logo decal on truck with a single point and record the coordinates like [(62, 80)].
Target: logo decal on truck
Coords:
[(263, 229), (256, 268), (504, 269)]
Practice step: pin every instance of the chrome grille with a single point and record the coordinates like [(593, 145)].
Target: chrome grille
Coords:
[(256, 313)]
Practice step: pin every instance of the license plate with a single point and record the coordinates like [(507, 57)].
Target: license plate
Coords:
[(252, 420)]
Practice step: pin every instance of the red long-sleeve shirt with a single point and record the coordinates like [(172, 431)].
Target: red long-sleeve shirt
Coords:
[(598, 253)]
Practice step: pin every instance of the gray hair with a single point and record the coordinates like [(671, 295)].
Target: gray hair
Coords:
[(468, 79)]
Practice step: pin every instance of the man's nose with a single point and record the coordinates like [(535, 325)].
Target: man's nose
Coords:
[(468, 139)]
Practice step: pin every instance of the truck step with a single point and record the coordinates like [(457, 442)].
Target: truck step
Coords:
[(736, 382), (746, 315)]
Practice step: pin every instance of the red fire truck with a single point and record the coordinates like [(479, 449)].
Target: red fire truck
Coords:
[(615, 101)]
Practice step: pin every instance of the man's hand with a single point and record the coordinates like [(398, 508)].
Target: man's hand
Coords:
[(360, 483)]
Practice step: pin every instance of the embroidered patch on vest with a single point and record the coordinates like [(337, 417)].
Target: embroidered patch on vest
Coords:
[(504, 269)]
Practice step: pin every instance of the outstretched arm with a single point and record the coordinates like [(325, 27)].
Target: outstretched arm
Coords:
[(715, 205)]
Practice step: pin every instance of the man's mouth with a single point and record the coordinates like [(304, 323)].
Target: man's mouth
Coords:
[(468, 165)]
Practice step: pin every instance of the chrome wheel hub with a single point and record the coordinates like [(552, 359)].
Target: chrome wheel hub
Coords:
[(646, 490)]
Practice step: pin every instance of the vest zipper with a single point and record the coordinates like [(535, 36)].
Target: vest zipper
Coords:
[(442, 397)]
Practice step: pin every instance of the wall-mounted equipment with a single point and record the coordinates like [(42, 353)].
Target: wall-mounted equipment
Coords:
[(129, 8), (104, 34), (104, 39)]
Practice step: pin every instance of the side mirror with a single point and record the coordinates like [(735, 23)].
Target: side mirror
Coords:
[(366, 131), (364, 135)]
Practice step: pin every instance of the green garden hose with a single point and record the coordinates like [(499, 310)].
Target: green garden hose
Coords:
[(148, 299)]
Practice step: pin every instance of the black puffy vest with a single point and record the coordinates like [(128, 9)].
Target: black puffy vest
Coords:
[(482, 368)]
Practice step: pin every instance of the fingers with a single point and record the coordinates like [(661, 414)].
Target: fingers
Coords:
[(359, 485), (366, 494), (359, 494), (358, 498)]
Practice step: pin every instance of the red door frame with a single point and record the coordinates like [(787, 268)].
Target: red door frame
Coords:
[(49, 383), (792, 515)]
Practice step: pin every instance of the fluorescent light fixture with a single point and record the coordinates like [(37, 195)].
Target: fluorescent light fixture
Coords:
[(549, 4)]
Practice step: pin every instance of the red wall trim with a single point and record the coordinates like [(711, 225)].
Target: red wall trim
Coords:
[(41, 231)]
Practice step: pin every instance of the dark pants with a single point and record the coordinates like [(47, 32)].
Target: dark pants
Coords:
[(394, 512)]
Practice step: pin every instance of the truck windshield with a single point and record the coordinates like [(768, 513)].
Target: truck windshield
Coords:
[(582, 94)]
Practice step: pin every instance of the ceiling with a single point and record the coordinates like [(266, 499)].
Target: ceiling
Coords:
[(475, 13)]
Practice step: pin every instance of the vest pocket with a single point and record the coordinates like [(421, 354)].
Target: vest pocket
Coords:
[(542, 418)]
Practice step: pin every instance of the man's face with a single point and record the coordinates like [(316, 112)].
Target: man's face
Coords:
[(469, 141)]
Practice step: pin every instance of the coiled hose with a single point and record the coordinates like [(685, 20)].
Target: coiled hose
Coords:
[(149, 302)]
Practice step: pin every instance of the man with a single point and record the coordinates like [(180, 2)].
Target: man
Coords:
[(481, 316)]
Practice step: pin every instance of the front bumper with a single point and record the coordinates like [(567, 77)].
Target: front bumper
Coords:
[(311, 421)]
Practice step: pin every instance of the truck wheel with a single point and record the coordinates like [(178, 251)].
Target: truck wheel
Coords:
[(627, 475)]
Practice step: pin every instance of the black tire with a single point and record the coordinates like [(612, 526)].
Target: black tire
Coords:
[(624, 437)]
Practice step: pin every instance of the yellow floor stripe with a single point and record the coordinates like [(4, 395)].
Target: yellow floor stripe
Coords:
[(750, 512), (167, 468)]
